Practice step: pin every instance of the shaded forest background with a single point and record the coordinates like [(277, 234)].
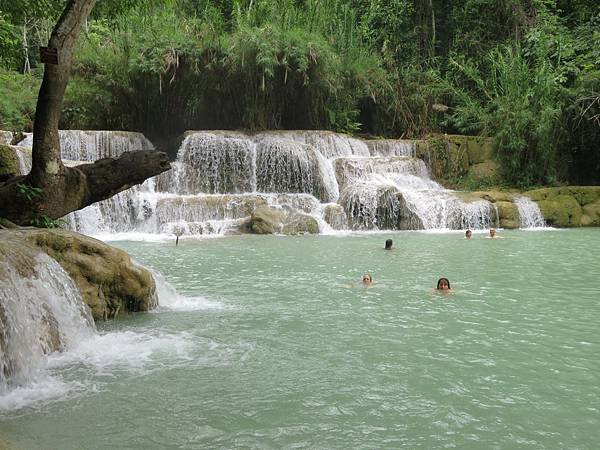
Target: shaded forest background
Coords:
[(524, 72)]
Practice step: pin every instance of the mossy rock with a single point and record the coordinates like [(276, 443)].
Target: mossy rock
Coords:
[(561, 211), (300, 224), (9, 163), (591, 214), (110, 283), (487, 171), (446, 158), (508, 214), (266, 220), (480, 149), (582, 194), (494, 196)]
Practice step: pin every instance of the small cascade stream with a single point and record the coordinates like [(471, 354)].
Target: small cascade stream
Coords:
[(530, 215), (41, 311), (219, 178)]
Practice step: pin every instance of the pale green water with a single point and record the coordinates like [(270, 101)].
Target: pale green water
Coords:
[(284, 356)]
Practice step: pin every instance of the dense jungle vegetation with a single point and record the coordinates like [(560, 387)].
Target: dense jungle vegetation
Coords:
[(524, 72)]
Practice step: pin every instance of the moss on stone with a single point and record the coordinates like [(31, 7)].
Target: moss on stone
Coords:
[(508, 214), (582, 194), (487, 172), (495, 196), (591, 212), (9, 163), (110, 283), (300, 224), (561, 211), (446, 158), (265, 220)]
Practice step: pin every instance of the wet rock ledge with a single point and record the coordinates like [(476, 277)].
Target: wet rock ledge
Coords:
[(110, 283)]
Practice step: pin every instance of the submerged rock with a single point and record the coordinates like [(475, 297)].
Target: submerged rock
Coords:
[(271, 220), (266, 220), (300, 224), (109, 281)]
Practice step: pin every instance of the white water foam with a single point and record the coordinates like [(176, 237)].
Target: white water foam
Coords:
[(169, 298)]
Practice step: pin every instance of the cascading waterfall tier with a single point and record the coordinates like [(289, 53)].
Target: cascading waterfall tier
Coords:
[(77, 145), (41, 311), (530, 215), (220, 177)]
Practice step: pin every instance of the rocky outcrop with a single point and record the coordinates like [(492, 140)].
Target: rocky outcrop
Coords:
[(562, 207), (570, 206), (110, 282), (451, 156)]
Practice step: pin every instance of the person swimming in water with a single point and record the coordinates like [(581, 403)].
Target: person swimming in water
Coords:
[(468, 234), (493, 234), (443, 285), (367, 280), (388, 244)]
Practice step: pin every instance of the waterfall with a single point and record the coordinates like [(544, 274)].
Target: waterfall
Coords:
[(391, 147), (418, 203), (530, 215), (209, 163), (220, 177), (6, 137), (77, 145), (41, 311), (24, 157)]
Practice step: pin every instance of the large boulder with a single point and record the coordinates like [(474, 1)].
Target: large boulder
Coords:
[(300, 224), (266, 220), (111, 284), (561, 211), (270, 220), (508, 214)]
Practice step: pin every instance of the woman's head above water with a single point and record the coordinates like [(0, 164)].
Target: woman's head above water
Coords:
[(443, 284), (367, 279)]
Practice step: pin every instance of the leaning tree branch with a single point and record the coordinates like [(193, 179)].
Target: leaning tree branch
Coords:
[(88, 184), (109, 176)]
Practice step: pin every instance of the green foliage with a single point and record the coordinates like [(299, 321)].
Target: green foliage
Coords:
[(9, 42), (29, 192), (45, 221), (518, 103), (18, 94)]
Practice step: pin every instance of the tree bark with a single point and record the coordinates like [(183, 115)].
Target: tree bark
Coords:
[(63, 189), (47, 168)]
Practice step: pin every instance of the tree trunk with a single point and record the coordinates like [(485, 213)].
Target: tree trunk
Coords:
[(68, 189)]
